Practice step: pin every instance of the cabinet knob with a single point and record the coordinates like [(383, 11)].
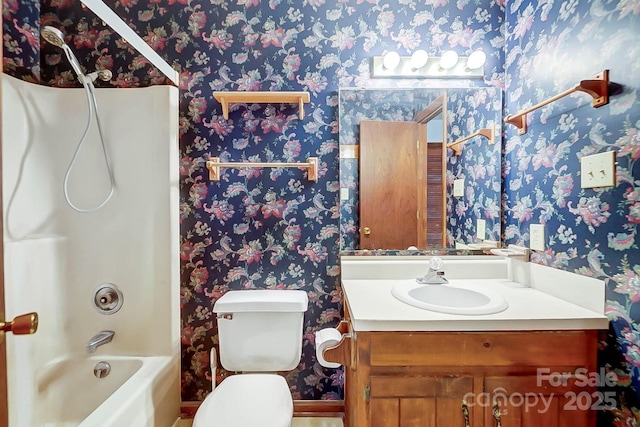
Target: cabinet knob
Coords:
[(366, 231)]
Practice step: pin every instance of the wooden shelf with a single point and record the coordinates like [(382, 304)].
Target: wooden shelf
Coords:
[(226, 98)]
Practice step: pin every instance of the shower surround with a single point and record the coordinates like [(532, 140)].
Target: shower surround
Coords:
[(55, 257)]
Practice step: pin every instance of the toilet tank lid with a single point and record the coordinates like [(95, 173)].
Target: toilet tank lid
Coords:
[(257, 300)]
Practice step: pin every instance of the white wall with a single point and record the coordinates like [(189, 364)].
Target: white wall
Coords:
[(54, 256)]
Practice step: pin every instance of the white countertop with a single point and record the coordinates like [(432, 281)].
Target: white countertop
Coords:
[(372, 307)]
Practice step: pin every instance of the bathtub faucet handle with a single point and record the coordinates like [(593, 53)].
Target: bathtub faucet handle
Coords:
[(21, 325), (101, 338)]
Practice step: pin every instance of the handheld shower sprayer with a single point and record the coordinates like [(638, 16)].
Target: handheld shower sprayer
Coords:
[(56, 38)]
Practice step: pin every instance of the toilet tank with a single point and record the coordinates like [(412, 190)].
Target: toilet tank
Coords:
[(260, 330)]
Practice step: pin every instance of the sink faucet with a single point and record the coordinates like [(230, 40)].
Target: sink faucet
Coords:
[(435, 275), (101, 338)]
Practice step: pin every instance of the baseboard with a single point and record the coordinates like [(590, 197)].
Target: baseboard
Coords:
[(318, 408), (188, 409), (301, 408)]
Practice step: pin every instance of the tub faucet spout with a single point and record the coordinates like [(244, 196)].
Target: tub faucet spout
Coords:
[(101, 338)]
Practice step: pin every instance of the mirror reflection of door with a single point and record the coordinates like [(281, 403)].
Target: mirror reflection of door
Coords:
[(403, 181), (392, 185)]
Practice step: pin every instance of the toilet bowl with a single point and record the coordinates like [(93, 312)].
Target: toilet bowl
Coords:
[(247, 400), (260, 332)]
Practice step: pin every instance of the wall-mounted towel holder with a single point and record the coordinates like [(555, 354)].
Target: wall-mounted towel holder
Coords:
[(488, 133), (598, 88), (214, 164)]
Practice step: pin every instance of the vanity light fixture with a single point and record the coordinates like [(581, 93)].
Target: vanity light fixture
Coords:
[(476, 60), (391, 60), (448, 60), (422, 65), (419, 59)]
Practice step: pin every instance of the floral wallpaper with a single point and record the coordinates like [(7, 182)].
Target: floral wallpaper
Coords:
[(274, 228), (550, 47), (468, 109), (20, 44), (479, 164)]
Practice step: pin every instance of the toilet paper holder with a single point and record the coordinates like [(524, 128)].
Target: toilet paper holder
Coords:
[(341, 352)]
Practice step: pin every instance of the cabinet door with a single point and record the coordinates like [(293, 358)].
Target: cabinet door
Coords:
[(424, 401), (528, 401)]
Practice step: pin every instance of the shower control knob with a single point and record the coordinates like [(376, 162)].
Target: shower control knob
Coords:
[(25, 324), (107, 298)]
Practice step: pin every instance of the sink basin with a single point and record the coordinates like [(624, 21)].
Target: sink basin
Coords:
[(450, 299)]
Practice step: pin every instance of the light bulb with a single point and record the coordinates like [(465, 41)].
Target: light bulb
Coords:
[(476, 60), (448, 59), (391, 60), (419, 59)]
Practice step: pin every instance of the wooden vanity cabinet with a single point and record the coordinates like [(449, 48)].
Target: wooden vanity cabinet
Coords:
[(407, 379)]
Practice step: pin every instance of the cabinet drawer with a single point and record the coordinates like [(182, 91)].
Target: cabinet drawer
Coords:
[(432, 386), (530, 348)]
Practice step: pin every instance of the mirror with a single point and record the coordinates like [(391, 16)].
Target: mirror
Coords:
[(375, 168)]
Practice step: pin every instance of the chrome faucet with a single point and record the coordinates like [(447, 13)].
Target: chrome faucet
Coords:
[(435, 275), (101, 338)]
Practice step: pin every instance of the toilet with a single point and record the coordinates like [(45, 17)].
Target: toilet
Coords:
[(260, 333)]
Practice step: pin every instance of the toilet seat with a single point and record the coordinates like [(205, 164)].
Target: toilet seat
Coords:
[(247, 400)]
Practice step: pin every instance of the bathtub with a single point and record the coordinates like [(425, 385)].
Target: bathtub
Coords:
[(138, 392), (55, 258)]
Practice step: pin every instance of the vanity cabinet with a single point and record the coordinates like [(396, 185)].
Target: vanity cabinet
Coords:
[(421, 400), (407, 379)]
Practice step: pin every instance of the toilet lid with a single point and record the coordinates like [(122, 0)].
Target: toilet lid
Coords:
[(247, 400)]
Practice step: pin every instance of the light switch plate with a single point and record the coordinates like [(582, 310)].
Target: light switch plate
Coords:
[(458, 187), (344, 194), (536, 237), (598, 170), (481, 229)]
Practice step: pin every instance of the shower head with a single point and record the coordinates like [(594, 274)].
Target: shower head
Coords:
[(56, 38), (53, 35)]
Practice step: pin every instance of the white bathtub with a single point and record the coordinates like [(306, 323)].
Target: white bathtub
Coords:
[(55, 258), (138, 392)]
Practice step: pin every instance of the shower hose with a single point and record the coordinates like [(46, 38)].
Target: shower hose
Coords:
[(93, 110)]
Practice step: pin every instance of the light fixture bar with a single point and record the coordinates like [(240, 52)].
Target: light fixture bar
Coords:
[(431, 70)]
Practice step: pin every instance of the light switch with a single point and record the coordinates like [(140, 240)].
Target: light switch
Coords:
[(344, 194), (458, 187), (598, 170), (481, 229), (536, 237)]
